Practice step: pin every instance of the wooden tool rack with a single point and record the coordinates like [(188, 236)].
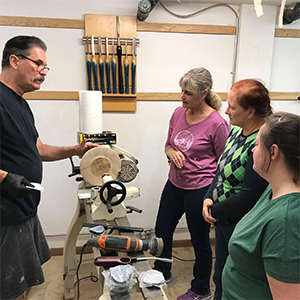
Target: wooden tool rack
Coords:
[(105, 27)]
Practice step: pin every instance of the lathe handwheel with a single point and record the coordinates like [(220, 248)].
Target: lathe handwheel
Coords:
[(111, 193)]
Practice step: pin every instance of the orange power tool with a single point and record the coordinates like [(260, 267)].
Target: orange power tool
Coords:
[(126, 244)]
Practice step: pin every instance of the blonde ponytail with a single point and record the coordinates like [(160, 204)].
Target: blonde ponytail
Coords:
[(214, 100)]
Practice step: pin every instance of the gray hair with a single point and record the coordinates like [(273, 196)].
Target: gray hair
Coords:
[(20, 45), (197, 81)]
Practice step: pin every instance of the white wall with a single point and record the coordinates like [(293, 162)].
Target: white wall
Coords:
[(162, 59)]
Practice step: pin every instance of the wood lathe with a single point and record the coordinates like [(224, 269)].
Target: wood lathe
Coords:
[(103, 173)]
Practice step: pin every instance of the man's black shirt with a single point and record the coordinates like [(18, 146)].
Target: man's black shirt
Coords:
[(18, 154)]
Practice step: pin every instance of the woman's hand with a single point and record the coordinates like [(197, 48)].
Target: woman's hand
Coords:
[(177, 158), (207, 203)]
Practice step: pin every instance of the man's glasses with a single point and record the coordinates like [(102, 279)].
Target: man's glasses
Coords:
[(40, 66)]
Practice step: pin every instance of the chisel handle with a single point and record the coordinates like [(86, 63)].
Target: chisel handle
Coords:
[(101, 69), (114, 75), (107, 69), (133, 69), (112, 261), (89, 73), (120, 72), (95, 74), (126, 70)]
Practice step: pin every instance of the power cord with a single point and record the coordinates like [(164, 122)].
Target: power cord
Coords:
[(199, 11), (92, 277), (233, 72), (187, 260), (181, 259)]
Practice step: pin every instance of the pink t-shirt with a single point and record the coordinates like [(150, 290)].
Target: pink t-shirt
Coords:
[(201, 144)]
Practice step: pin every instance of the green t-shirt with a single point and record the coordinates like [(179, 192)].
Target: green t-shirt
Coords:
[(265, 241)]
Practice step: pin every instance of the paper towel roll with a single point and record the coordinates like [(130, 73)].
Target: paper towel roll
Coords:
[(90, 111)]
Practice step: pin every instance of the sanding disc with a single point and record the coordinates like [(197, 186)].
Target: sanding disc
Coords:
[(99, 161)]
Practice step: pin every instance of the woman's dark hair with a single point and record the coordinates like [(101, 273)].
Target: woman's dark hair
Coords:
[(251, 93), (20, 44), (283, 129)]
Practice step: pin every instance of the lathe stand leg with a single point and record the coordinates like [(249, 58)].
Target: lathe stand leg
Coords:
[(69, 256)]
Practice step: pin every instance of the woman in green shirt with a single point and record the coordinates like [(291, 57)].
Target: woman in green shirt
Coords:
[(264, 250)]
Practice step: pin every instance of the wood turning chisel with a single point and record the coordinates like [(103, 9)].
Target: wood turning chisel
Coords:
[(88, 65), (126, 70), (114, 68), (119, 53), (101, 65), (94, 64), (107, 67), (133, 67)]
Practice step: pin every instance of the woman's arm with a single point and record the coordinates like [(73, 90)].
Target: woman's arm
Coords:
[(284, 291), (237, 205), (220, 139), (172, 154), (168, 144), (209, 193)]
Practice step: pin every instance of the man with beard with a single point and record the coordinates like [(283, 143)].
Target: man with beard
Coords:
[(23, 247)]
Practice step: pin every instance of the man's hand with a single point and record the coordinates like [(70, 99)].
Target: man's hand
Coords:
[(83, 147), (53, 153), (207, 203), (14, 185)]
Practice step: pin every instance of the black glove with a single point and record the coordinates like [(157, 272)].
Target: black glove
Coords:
[(14, 186)]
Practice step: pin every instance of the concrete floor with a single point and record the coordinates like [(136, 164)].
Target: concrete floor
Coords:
[(52, 288)]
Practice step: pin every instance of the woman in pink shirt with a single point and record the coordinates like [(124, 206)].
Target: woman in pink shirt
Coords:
[(196, 139)]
